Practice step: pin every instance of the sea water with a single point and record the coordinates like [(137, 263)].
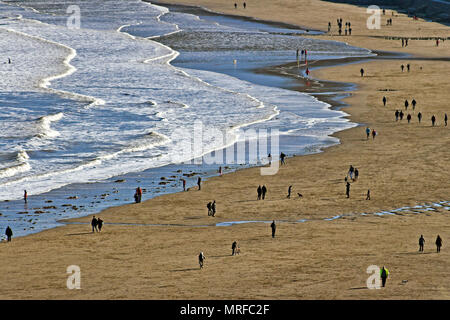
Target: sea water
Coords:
[(83, 109)]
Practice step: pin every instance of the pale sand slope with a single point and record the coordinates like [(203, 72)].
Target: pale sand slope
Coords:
[(404, 165)]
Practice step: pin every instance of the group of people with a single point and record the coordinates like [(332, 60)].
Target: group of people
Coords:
[(408, 67), (211, 208), (261, 192), (96, 224), (368, 132), (244, 5), (400, 115), (438, 243), (348, 27), (404, 42)]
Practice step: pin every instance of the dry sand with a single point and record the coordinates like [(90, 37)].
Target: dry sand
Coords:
[(407, 164)]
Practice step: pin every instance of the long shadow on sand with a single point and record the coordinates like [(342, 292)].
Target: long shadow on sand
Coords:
[(78, 234), (183, 270)]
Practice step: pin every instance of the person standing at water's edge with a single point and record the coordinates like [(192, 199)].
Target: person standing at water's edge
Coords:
[(199, 183), (8, 233), (25, 196), (99, 224), (421, 243), (274, 228)]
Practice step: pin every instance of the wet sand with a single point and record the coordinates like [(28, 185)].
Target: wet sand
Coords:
[(406, 165)]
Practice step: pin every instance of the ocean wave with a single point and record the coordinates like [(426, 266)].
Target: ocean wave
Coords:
[(44, 123)]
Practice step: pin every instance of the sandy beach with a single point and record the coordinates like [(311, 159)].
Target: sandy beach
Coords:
[(405, 165)]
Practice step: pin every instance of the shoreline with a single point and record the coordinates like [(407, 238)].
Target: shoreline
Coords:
[(300, 256)]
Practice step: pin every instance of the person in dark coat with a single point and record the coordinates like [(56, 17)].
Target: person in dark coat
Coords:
[(213, 208), (233, 248), (99, 224), (8, 233), (264, 190), (433, 120), (438, 243), (199, 183), (384, 101), (419, 115), (347, 189), (289, 192), (201, 259), (421, 243), (274, 228), (259, 190), (94, 224), (209, 208), (384, 273)]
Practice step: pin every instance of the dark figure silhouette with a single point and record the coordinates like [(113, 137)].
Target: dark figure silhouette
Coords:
[(408, 67), (245, 5), (408, 117), (356, 174), (414, 102), (99, 224), (368, 194), (419, 115), (289, 192), (396, 115), (274, 228), (235, 5), (25, 196), (433, 120), (362, 72), (233, 248), (401, 115), (282, 156), (209, 205), (201, 259), (8, 233), (199, 183), (213, 208), (184, 184), (445, 119), (94, 224), (421, 243), (384, 101), (264, 191), (403, 67), (406, 104), (259, 190), (384, 273), (347, 189), (438, 243)]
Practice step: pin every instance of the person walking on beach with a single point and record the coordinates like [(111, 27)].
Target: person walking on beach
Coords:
[(289, 192), (419, 115), (99, 224), (263, 190), (403, 42), (213, 208), (384, 273), (25, 196), (408, 117), (356, 174), (235, 5), (349, 31), (282, 156), (274, 228), (233, 248), (184, 184), (199, 183), (8, 233), (406, 104), (362, 72), (139, 192), (396, 115), (401, 115), (374, 134), (209, 208), (259, 190), (367, 133), (94, 224), (368, 194), (433, 120), (329, 26), (347, 189), (403, 67), (413, 103), (245, 5), (201, 259), (445, 119), (269, 157), (220, 170), (421, 243), (438, 243), (408, 67), (384, 101), (351, 170)]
